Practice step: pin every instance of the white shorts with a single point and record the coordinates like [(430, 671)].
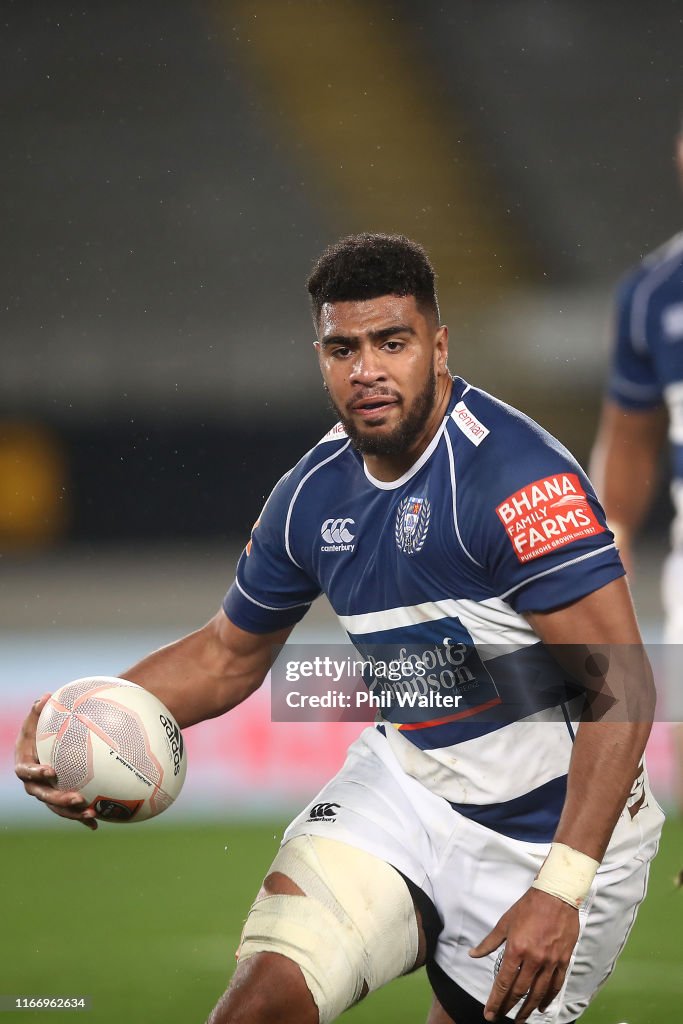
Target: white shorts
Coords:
[(473, 875)]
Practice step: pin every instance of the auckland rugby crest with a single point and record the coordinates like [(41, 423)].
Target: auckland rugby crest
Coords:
[(412, 523)]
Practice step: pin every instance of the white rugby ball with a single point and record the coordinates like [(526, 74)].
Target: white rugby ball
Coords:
[(116, 744)]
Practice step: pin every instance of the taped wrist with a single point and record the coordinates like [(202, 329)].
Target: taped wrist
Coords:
[(567, 874)]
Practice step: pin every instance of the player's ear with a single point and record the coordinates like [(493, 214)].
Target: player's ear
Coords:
[(441, 350)]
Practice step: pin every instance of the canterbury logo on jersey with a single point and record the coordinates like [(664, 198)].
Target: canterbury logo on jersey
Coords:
[(337, 535), (323, 812)]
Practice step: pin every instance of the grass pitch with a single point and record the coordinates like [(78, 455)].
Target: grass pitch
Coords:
[(145, 921)]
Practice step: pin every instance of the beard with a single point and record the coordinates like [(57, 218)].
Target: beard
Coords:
[(403, 436)]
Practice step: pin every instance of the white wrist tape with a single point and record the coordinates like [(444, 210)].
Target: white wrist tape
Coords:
[(567, 874)]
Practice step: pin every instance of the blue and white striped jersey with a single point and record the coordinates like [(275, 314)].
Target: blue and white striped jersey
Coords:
[(647, 363), (494, 519)]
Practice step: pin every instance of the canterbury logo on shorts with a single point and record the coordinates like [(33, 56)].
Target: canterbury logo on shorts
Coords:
[(323, 812)]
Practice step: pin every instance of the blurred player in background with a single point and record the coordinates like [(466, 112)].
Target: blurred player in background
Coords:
[(645, 391), (436, 519)]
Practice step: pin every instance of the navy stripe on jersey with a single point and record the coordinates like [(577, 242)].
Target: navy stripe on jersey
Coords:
[(492, 692), (531, 818)]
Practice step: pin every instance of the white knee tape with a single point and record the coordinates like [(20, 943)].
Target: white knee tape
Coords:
[(355, 925), (310, 935)]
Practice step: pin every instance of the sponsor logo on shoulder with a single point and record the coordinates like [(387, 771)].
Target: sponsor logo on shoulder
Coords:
[(333, 434), (471, 427), (546, 515), (412, 523), (323, 812), (337, 535)]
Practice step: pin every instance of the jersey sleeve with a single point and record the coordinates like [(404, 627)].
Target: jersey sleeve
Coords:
[(534, 524), (271, 590), (633, 380)]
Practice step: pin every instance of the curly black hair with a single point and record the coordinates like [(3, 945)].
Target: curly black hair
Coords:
[(367, 266)]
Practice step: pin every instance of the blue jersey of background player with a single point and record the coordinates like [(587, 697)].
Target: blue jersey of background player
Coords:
[(443, 517), (645, 384), (645, 390), (646, 379), (644, 396)]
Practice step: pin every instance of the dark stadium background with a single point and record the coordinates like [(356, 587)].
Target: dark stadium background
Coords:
[(169, 172)]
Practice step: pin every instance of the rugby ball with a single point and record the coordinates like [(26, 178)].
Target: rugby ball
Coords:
[(116, 744)]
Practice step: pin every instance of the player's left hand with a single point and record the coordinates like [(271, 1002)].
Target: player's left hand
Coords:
[(540, 932)]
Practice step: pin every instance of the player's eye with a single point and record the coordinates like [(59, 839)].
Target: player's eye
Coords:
[(340, 353), (392, 345)]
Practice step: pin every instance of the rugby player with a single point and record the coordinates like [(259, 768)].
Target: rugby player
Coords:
[(644, 396), (505, 845)]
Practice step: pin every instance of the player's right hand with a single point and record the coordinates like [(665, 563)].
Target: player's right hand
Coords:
[(39, 779)]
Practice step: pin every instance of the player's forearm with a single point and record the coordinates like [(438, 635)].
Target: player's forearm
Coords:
[(205, 673), (191, 684), (607, 657), (610, 741), (624, 464), (626, 502), (605, 762)]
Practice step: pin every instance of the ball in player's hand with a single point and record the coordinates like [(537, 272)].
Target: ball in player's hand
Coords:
[(116, 744)]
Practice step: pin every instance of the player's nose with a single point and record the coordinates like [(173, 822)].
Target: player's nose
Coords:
[(367, 366)]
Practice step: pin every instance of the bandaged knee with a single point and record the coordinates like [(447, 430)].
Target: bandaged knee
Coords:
[(354, 926)]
